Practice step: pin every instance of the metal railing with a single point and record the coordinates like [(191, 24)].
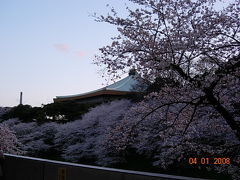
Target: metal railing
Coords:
[(29, 168)]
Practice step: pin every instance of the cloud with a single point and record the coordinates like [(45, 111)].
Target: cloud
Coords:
[(80, 53), (66, 49), (62, 47)]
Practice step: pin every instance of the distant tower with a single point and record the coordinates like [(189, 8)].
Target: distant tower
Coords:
[(20, 98)]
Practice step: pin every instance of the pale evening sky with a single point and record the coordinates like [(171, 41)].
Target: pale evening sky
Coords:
[(47, 48)]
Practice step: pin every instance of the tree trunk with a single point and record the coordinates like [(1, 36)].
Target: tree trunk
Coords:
[(223, 111)]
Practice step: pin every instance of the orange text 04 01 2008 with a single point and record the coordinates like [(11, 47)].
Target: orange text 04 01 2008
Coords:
[(208, 160)]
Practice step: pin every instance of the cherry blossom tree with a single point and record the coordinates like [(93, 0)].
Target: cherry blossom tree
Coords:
[(84, 139), (76, 140), (163, 138), (194, 43), (8, 141), (35, 139)]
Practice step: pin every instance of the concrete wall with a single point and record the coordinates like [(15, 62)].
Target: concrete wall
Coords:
[(27, 168)]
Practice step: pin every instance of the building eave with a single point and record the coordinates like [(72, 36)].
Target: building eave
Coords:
[(94, 94)]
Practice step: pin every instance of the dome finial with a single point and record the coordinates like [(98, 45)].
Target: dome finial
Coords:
[(132, 72)]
